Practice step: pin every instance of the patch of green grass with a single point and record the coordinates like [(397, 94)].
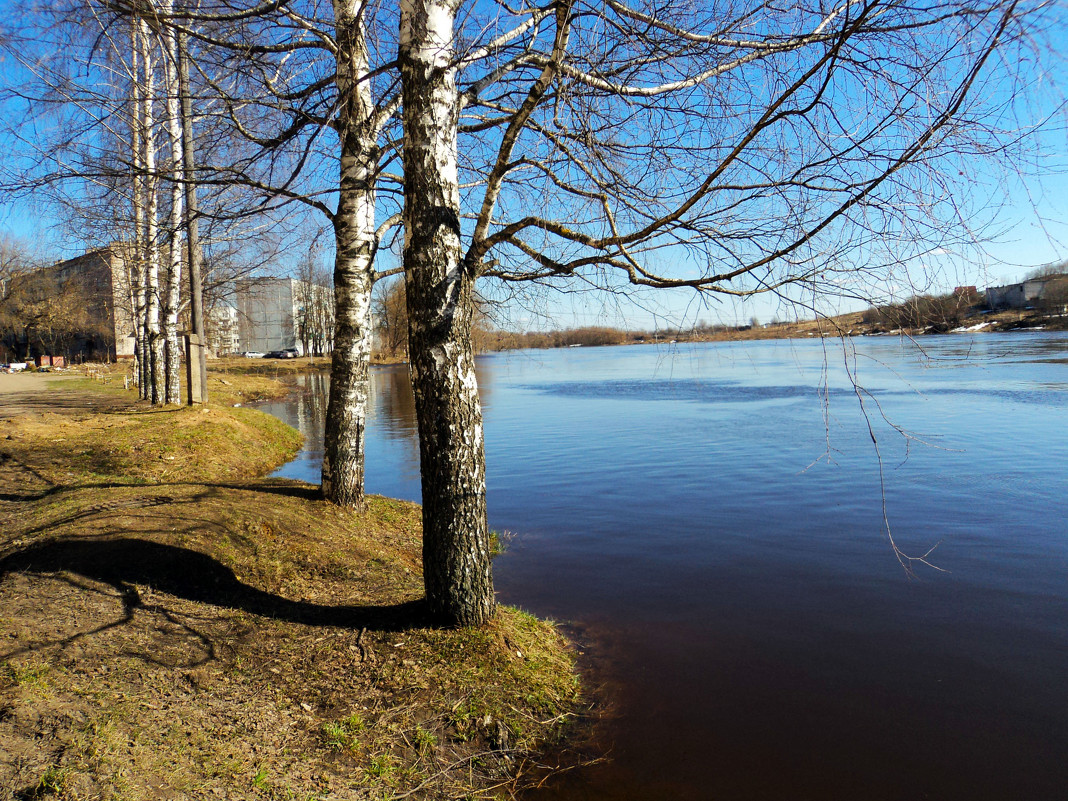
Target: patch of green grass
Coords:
[(425, 741), (111, 386), (32, 675), (53, 782), (335, 736), (380, 767), (259, 781), (354, 722), (341, 735)]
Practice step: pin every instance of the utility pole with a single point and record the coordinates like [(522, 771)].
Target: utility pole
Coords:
[(196, 364)]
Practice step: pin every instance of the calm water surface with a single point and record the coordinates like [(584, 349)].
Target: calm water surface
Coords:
[(709, 518)]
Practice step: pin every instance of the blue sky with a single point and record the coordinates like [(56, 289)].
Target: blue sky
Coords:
[(1029, 229)]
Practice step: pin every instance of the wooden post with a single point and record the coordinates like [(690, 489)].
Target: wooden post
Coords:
[(194, 357)]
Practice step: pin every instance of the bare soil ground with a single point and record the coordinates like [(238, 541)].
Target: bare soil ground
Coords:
[(181, 628), (24, 393)]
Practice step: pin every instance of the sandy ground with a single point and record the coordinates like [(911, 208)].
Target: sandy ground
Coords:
[(26, 382), (24, 393)]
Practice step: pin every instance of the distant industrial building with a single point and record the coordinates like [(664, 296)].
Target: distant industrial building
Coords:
[(1044, 290)]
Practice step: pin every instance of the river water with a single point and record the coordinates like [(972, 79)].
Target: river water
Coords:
[(710, 521)]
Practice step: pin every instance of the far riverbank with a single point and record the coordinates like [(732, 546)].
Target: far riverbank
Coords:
[(856, 324)]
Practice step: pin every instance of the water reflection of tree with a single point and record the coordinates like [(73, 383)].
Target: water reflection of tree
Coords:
[(311, 405), (393, 400), (391, 406), (485, 382)]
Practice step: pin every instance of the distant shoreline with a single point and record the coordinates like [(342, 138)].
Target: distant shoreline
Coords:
[(843, 325)]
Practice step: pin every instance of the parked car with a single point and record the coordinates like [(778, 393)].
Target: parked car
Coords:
[(290, 353), (252, 354)]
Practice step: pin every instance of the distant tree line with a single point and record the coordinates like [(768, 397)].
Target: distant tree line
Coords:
[(485, 337), (937, 312)]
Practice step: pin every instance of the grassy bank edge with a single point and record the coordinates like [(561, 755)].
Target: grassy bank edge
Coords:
[(388, 707)]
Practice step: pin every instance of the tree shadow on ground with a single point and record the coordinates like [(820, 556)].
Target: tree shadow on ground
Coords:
[(286, 487), (124, 562), (22, 474)]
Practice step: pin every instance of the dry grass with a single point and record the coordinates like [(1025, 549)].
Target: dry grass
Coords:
[(228, 383), (152, 444), (176, 629)]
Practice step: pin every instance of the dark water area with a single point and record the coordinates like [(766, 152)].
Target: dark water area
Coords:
[(709, 519)]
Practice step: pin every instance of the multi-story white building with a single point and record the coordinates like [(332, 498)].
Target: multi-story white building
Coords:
[(283, 313), (223, 329)]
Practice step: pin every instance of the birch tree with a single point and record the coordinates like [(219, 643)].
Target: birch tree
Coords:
[(359, 124), (146, 213), (175, 252), (289, 78), (439, 291), (136, 263), (763, 148)]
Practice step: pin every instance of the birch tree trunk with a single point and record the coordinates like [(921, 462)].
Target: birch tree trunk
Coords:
[(133, 277), (172, 298), (151, 241), (137, 203), (137, 304), (354, 233), (456, 557)]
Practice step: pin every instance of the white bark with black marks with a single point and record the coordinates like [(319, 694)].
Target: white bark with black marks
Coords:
[(154, 341), (456, 557), (172, 296), (135, 253), (354, 235)]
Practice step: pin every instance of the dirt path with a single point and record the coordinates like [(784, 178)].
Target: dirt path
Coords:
[(29, 393), (26, 382)]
